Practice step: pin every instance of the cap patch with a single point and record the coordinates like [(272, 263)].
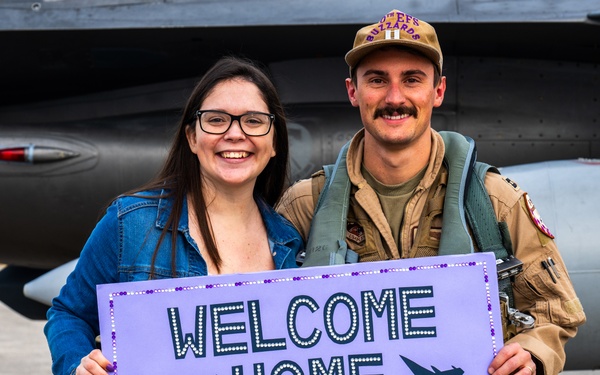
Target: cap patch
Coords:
[(535, 217), (392, 24)]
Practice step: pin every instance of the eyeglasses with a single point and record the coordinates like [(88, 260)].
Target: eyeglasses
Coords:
[(254, 124)]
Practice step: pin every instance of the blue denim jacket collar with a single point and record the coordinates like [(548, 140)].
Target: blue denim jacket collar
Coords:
[(165, 206), (278, 230)]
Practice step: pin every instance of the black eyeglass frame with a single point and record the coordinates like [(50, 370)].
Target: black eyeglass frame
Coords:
[(239, 120)]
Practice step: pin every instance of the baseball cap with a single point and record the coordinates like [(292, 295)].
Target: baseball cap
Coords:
[(396, 28)]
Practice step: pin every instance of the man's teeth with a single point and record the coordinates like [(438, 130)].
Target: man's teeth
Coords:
[(235, 155), (400, 117)]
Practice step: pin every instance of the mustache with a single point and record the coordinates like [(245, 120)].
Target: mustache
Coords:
[(391, 111)]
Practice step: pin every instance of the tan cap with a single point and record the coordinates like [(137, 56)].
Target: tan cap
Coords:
[(396, 28)]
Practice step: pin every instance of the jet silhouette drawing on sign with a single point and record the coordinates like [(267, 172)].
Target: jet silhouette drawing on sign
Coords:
[(420, 370)]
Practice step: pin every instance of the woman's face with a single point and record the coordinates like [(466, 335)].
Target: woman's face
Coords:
[(232, 159)]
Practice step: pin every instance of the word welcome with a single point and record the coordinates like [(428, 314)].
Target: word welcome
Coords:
[(370, 306)]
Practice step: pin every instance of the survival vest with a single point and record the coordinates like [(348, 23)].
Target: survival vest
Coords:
[(467, 204)]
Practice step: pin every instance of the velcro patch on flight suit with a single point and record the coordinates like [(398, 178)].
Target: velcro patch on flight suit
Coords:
[(535, 216), (511, 183), (435, 234), (355, 233)]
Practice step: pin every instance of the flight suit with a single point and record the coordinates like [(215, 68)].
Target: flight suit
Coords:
[(555, 306)]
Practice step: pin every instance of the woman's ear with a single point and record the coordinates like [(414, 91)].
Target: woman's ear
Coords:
[(190, 134)]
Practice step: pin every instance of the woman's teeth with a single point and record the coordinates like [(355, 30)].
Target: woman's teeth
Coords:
[(235, 155)]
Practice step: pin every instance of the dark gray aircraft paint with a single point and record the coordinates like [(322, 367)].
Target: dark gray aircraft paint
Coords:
[(91, 93)]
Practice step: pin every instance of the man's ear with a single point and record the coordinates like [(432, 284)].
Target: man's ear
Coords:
[(440, 91), (351, 89)]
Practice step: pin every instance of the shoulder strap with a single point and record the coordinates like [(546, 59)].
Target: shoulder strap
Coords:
[(488, 233), (459, 158), (467, 201), (330, 218)]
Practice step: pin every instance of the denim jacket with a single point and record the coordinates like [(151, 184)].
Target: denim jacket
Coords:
[(120, 249)]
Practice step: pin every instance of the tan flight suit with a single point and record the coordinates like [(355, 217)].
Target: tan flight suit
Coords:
[(555, 306)]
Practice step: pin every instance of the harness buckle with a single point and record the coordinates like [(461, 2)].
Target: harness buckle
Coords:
[(514, 316)]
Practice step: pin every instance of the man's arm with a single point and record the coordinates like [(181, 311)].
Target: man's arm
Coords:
[(298, 204), (538, 291)]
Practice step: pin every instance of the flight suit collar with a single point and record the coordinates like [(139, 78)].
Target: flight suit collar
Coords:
[(354, 160)]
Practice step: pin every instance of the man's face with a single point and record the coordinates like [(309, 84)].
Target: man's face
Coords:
[(395, 93)]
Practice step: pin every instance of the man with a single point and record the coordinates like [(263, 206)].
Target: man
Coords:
[(398, 176)]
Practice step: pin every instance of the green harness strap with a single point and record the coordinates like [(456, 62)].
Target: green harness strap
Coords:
[(466, 204), (327, 239), (482, 218), (474, 201), (467, 197), (459, 157)]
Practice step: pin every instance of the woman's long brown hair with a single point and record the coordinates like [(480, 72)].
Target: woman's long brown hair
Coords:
[(180, 175)]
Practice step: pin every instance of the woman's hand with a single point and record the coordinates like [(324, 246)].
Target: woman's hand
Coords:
[(94, 363)]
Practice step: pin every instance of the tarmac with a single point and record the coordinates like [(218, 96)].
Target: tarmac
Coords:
[(23, 347)]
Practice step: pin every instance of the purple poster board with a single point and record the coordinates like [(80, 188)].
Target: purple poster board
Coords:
[(413, 316)]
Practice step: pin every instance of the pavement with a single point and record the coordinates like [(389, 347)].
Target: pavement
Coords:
[(23, 347)]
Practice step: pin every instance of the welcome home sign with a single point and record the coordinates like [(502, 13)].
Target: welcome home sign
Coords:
[(413, 316)]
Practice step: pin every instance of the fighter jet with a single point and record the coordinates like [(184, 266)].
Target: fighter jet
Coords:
[(92, 91)]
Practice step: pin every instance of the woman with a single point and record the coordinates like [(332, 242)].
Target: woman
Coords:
[(209, 211)]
